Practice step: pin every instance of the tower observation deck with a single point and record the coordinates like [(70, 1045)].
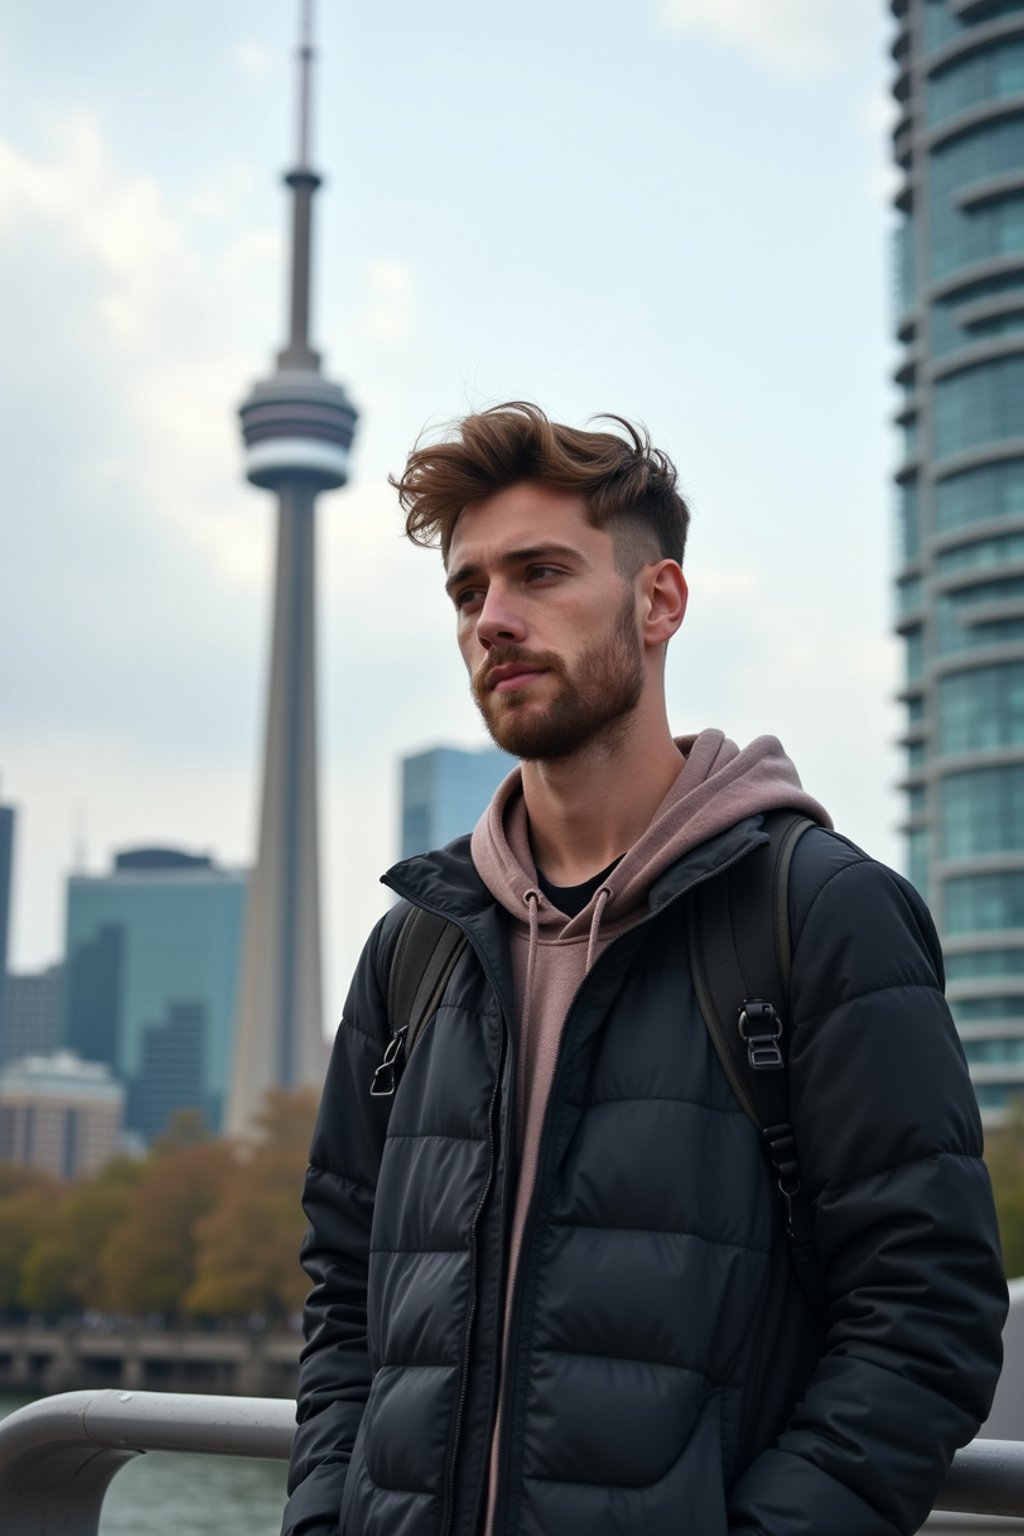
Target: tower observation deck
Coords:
[(297, 427)]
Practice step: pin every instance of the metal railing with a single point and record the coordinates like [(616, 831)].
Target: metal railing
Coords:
[(58, 1455)]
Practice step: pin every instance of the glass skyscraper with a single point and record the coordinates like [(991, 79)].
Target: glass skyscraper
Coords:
[(445, 792), (151, 981), (959, 144)]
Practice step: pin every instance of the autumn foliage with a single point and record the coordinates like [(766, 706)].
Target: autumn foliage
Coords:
[(200, 1229)]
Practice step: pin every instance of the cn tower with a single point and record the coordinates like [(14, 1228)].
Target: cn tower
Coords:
[(297, 428)]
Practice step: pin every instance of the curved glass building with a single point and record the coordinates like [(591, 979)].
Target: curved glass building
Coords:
[(959, 143)]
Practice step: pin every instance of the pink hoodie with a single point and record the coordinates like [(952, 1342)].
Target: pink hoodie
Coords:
[(717, 786)]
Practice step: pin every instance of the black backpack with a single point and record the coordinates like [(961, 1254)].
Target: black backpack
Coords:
[(740, 961)]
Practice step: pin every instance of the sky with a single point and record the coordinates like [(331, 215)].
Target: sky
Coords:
[(677, 210)]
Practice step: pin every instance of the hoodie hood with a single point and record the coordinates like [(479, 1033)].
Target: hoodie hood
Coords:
[(718, 785)]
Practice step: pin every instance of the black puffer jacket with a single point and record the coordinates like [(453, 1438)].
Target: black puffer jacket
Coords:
[(664, 1375)]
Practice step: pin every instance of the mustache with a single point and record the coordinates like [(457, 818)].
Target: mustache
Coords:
[(503, 656)]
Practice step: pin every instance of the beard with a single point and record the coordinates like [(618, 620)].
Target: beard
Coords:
[(592, 704)]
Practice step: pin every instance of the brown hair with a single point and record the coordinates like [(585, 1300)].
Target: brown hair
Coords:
[(629, 487)]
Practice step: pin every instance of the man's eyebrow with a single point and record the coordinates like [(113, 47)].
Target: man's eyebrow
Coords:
[(512, 558)]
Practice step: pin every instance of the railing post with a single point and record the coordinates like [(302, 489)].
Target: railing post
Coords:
[(58, 1455)]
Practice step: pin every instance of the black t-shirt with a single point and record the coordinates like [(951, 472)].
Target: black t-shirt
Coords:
[(571, 899)]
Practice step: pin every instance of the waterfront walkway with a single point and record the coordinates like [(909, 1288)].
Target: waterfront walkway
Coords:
[(251, 1362)]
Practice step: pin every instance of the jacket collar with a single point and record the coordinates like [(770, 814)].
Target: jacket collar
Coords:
[(446, 880)]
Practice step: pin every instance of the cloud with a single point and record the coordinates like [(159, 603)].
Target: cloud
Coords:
[(799, 37), (160, 300), (253, 61)]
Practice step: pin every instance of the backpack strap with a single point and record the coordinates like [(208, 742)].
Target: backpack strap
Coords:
[(740, 957), (426, 951)]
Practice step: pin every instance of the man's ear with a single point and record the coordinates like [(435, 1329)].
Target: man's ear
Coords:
[(665, 593)]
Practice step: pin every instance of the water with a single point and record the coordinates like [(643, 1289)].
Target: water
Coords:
[(164, 1494)]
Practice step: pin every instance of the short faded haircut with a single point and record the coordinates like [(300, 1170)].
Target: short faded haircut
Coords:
[(628, 486)]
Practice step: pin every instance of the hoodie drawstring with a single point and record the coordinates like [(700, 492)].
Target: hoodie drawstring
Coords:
[(532, 899), (603, 898)]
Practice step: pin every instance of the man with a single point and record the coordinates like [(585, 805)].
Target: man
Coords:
[(552, 1291)]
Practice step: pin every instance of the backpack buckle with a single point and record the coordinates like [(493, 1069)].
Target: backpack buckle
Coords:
[(761, 1029), (385, 1078)]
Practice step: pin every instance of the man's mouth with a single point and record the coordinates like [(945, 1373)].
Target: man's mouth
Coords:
[(511, 676)]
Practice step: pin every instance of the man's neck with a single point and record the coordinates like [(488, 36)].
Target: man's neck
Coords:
[(587, 810)]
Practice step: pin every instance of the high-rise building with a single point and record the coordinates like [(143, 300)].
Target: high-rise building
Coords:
[(444, 793), (6, 872), (959, 144), (30, 1024), (298, 428), (151, 981), (59, 1114)]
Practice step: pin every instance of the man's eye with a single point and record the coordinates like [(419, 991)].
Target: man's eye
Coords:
[(541, 572), (467, 598)]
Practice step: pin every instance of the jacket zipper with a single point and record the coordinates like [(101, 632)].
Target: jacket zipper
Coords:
[(505, 1453), (449, 1513)]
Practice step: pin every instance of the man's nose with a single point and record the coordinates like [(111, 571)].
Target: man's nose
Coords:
[(498, 623)]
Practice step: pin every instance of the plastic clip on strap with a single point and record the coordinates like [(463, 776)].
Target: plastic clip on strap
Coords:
[(761, 1030), (384, 1078)]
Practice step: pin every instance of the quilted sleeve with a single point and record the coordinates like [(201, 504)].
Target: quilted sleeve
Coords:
[(338, 1198), (905, 1228)]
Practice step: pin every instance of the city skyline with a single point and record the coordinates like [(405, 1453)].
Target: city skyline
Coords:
[(635, 251)]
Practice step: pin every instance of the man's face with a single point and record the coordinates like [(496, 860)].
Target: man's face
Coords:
[(546, 623)]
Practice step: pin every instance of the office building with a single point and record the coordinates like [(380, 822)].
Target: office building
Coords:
[(959, 144), (444, 793), (59, 1114), (30, 1025), (151, 981), (298, 428)]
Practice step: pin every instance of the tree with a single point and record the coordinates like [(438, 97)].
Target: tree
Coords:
[(61, 1271), (148, 1259), (247, 1256), (26, 1198)]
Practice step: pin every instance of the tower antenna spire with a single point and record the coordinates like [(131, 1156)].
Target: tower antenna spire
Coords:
[(303, 182), (306, 56)]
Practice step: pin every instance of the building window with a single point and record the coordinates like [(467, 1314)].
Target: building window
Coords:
[(948, 329), (997, 1096), (985, 903), (917, 858), (988, 74), (979, 495), (984, 962), (982, 404), (914, 654), (982, 811), (941, 23), (976, 1010), (991, 1052), (917, 800), (909, 430), (999, 551), (909, 596), (982, 709), (904, 263), (908, 515), (977, 616), (963, 236)]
